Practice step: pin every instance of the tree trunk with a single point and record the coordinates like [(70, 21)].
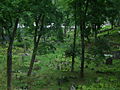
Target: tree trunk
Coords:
[(65, 30), (112, 24), (83, 51), (9, 66), (74, 43), (9, 57), (36, 43), (2, 34), (95, 30), (83, 27), (33, 59)]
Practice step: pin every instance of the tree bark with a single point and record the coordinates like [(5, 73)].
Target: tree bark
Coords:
[(9, 57), (83, 27), (2, 34), (33, 59), (36, 43), (83, 51), (74, 43)]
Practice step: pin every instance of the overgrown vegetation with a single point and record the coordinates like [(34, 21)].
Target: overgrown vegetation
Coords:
[(59, 45)]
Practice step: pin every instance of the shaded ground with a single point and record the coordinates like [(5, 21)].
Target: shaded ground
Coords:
[(46, 75)]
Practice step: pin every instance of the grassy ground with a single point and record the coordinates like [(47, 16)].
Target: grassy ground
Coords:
[(46, 74)]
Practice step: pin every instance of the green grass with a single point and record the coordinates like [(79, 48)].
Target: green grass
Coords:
[(45, 73)]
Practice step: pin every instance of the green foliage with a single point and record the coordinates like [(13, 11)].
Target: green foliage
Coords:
[(24, 44), (102, 46), (46, 47), (69, 52), (53, 60)]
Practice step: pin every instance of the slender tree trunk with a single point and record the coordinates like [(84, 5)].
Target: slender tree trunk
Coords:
[(88, 39), (65, 30), (74, 43), (95, 37), (112, 24), (9, 66), (83, 27), (95, 30), (33, 59), (83, 51), (36, 43), (2, 34), (9, 57)]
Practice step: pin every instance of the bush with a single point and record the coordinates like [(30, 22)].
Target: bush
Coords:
[(23, 44)]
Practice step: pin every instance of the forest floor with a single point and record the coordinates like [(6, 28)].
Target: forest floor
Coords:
[(47, 76)]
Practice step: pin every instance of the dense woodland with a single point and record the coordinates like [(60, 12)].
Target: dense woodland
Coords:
[(60, 45)]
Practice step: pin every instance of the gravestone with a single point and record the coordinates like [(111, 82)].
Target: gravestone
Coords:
[(72, 87)]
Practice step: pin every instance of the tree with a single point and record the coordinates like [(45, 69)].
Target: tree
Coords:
[(74, 40), (82, 28), (37, 37), (112, 11), (11, 13), (41, 15), (82, 9)]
